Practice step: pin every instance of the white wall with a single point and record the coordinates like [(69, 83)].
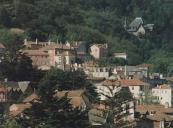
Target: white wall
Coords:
[(95, 51), (164, 96), (135, 90)]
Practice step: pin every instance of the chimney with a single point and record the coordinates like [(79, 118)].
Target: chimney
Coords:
[(49, 42), (106, 45), (6, 80), (25, 41), (36, 41)]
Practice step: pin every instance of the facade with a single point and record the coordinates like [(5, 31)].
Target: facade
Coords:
[(60, 55), (108, 88), (98, 50), (163, 95), (121, 55), (104, 88), (138, 28), (3, 94), (2, 50), (97, 72), (39, 58), (51, 54), (136, 87), (81, 49)]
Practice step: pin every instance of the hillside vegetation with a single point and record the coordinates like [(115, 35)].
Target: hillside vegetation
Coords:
[(97, 21)]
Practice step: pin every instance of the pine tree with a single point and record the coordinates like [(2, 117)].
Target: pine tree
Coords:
[(51, 111), (118, 104)]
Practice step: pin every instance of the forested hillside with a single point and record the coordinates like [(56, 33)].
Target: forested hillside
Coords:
[(97, 21)]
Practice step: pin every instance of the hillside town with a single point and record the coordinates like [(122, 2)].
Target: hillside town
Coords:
[(152, 93), (86, 64)]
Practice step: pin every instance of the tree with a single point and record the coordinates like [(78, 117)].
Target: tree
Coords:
[(118, 102), (52, 111), (9, 122), (5, 18)]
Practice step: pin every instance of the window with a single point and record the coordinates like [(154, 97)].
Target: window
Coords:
[(141, 88), (101, 70), (132, 88)]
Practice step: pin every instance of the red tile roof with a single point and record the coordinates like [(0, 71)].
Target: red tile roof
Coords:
[(30, 98), (2, 89), (111, 83), (153, 107), (2, 46), (17, 109), (131, 82), (75, 96), (35, 52)]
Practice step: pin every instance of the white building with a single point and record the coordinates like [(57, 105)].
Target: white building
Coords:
[(163, 95), (104, 88), (97, 72), (122, 55), (98, 50), (108, 88), (136, 87)]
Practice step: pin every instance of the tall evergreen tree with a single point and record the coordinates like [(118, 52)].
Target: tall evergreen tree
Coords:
[(51, 111), (118, 103)]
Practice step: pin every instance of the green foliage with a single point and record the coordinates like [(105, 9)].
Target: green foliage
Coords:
[(118, 102), (95, 21), (57, 79), (52, 111), (163, 62), (9, 122), (111, 61)]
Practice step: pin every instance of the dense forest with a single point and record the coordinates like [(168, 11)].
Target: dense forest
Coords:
[(97, 21)]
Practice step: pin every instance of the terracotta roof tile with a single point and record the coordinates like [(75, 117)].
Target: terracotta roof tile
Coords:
[(131, 82), (30, 98), (159, 117), (2, 89), (111, 83), (35, 52), (17, 109), (75, 96), (2, 46), (153, 107)]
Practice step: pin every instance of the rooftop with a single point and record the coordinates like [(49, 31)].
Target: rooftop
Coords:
[(30, 98), (136, 22), (17, 109), (120, 53), (76, 97), (131, 82), (111, 83), (100, 45), (35, 52), (154, 107), (2, 46), (53, 46), (163, 86)]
